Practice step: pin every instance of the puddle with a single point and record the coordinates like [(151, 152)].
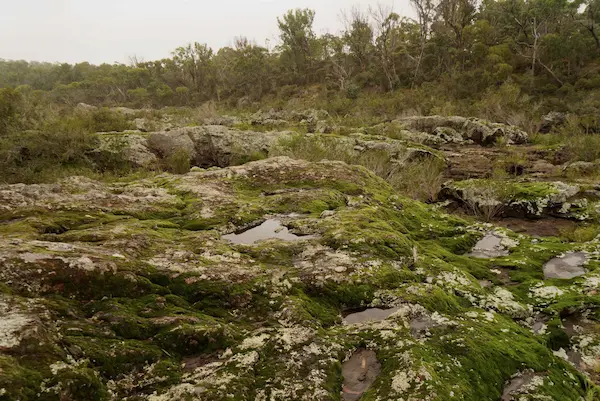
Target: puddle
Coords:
[(515, 385), (369, 315), (360, 371), (270, 229), (566, 267), (489, 246)]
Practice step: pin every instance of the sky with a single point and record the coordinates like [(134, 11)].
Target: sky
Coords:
[(109, 31)]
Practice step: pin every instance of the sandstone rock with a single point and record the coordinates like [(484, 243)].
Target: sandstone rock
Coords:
[(482, 132)]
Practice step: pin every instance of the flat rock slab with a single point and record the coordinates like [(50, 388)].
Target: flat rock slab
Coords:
[(568, 266), (360, 372), (369, 315), (514, 387)]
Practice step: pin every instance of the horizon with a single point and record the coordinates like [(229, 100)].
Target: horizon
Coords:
[(114, 32)]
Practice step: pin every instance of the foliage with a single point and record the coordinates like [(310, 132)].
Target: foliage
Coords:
[(505, 61)]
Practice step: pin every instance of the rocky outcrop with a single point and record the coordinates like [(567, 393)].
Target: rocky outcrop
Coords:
[(133, 289), (552, 120), (215, 145), (460, 129), (493, 198)]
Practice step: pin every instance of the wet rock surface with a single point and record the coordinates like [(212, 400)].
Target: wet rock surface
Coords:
[(520, 386)]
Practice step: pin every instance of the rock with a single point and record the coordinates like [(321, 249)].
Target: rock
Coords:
[(124, 110), (542, 168), (228, 121), (448, 135), (274, 118), (217, 145), (492, 245), (552, 120), (126, 289), (83, 107), (491, 198), (479, 131), (167, 144), (581, 168), (566, 266), (132, 147)]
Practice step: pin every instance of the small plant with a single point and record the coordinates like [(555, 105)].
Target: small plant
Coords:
[(178, 162), (485, 202), (421, 179)]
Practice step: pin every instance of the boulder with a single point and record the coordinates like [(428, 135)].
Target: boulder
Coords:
[(581, 168), (552, 120), (495, 198)]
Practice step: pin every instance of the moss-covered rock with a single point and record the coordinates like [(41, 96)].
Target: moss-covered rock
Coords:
[(131, 290)]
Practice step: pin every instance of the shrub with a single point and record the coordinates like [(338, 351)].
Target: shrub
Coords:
[(9, 108), (106, 120)]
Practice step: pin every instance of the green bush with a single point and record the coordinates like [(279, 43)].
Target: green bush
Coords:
[(105, 120)]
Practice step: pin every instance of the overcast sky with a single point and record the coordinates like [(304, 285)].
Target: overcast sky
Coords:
[(113, 30)]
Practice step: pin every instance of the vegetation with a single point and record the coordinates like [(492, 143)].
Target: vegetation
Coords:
[(504, 60)]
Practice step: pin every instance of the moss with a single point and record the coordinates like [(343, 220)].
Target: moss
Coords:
[(80, 384), (510, 190), (556, 338), (115, 357), (320, 309), (19, 382), (198, 338)]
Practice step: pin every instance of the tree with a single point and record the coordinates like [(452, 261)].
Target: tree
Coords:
[(358, 36), (386, 23), (195, 63), (425, 10), (298, 42), (590, 18)]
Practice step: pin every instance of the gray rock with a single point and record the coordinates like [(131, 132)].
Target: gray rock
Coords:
[(581, 168), (552, 120), (482, 132)]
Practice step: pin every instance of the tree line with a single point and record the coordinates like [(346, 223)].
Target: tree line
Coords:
[(546, 47)]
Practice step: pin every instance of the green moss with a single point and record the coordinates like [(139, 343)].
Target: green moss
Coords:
[(81, 384), (115, 357), (556, 338), (18, 382)]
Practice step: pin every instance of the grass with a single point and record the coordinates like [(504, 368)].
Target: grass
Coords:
[(420, 179)]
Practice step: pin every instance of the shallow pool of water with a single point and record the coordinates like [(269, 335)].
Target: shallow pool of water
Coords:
[(568, 266), (270, 229), (359, 372), (488, 247), (369, 315)]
